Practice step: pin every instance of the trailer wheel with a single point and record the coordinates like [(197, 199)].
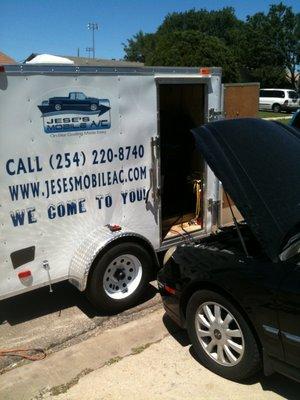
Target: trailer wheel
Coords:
[(119, 278)]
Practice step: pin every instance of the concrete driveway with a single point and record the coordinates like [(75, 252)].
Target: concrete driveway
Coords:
[(148, 358)]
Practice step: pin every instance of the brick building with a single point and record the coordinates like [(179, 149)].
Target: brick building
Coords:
[(5, 59)]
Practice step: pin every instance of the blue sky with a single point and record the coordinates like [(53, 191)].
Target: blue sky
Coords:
[(59, 26)]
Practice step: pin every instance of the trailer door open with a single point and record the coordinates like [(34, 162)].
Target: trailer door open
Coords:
[(181, 107)]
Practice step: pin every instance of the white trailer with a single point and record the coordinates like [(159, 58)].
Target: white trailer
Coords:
[(99, 173)]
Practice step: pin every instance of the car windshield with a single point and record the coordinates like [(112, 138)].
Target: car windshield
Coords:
[(293, 94)]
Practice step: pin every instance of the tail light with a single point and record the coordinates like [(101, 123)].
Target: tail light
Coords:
[(169, 289), (205, 71), (2, 69), (24, 274)]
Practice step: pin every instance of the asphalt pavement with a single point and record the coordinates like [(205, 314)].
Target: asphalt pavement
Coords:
[(53, 321)]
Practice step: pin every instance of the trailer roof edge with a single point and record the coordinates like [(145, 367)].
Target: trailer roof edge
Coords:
[(49, 69)]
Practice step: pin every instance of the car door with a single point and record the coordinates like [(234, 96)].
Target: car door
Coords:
[(273, 99), (262, 100), (82, 100), (71, 100), (265, 101), (289, 313), (258, 283)]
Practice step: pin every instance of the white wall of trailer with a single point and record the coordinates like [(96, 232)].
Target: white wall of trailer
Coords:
[(94, 167), (121, 152)]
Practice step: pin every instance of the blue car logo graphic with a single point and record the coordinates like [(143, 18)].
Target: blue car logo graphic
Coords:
[(75, 112)]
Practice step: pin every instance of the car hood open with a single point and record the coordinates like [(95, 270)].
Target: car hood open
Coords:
[(258, 163)]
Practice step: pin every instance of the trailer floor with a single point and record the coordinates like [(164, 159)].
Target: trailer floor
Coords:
[(53, 321)]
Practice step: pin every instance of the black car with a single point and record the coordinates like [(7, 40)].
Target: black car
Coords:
[(237, 292)]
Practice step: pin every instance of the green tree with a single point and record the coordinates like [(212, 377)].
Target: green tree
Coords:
[(211, 37), (262, 60), (218, 23), (140, 47), (222, 24), (286, 35), (271, 48), (192, 48), (264, 48)]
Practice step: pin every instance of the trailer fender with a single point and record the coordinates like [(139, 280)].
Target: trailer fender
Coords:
[(96, 242)]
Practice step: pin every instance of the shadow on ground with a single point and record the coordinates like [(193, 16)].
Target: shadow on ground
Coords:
[(179, 334), (40, 302), (276, 383)]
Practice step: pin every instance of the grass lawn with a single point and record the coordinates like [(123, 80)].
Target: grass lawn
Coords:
[(271, 114), (284, 121)]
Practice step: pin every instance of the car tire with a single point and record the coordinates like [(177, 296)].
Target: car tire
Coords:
[(93, 107), (119, 278), (57, 107), (232, 357), (276, 108)]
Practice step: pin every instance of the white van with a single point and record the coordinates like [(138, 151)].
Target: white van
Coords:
[(99, 173), (278, 100)]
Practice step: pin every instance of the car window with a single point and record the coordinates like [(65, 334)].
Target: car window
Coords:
[(279, 93), (292, 94), (72, 96), (264, 93), (268, 93), (80, 96)]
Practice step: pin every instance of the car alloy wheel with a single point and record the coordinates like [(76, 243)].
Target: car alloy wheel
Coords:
[(57, 107), (219, 334), (222, 338)]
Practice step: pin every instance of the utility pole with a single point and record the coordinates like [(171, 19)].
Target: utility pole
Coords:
[(89, 50), (93, 26)]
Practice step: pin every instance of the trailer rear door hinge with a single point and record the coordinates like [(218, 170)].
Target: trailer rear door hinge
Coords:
[(214, 209)]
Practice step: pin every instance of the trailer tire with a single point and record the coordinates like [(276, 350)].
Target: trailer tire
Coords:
[(119, 277)]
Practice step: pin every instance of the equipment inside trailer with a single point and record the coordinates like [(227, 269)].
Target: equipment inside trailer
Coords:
[(182, 167)]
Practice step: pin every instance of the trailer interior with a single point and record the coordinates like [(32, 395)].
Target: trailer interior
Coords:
[(181, 108)]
